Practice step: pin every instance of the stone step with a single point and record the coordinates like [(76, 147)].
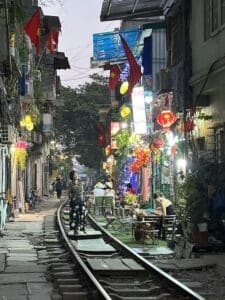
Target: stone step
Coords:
[(59, 264), (70, 288), (74, 295), (62, 269), (66, 281), (69, 275)]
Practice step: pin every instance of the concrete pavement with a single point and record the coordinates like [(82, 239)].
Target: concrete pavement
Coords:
[(22, 274)]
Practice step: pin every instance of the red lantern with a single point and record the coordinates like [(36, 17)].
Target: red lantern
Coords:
[(189, 125), (166, 118), (158, 143), (101, 140)]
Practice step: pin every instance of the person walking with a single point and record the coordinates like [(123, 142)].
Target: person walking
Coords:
[(77, 205), (58, 187)]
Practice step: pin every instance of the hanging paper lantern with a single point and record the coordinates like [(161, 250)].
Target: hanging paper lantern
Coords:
[(154, 149), (20, 156), (189, 125), (124, 87), (21, 153), (27, 122), (30, 126), (125, 111), (158, 143), (21, 144), (107, 150), (101, 140), (104, 165), (27, 119), (173, 149), (166, 118)]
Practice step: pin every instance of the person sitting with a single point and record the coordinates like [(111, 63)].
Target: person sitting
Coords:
[(130, 189), (165, 204)]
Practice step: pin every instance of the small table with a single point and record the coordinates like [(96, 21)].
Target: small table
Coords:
[(110, 220)]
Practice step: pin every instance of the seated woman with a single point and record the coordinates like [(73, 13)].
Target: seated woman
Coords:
[(165, 204)]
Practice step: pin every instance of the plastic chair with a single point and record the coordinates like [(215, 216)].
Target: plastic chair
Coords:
[(99, 205)]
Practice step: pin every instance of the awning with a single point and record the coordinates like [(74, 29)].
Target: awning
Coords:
[(51, 22), (60, 61), (130, 9)]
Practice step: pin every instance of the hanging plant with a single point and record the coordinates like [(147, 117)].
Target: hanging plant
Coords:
[(122, 137), (34, 112), (142, 158), (21, 154), (204, 117), (130, 198)]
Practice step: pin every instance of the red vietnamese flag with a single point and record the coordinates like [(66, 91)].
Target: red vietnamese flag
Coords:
[(32, 29), (135, 69), (52, 40), (114, 76)]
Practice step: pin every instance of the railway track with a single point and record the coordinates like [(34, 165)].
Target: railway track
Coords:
[(95, 265)]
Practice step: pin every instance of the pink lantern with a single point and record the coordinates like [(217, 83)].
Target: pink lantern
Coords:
[(21, 144)]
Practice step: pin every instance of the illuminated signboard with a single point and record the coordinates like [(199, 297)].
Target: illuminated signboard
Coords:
[(139, 114)]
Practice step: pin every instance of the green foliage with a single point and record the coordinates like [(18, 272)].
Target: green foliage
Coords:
[(130, 198), (144, 204), (122, 137), (115, 114), (204, 117), (76, 121), (195, 188)]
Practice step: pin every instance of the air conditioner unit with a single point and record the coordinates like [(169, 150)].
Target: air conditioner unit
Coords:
[(163, 80), (6, 134), (37, 75)]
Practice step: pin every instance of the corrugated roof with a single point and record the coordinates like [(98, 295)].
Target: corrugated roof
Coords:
[(130, 9)]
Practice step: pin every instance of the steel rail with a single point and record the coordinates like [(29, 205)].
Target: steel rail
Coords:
[(98, 286), (174, 282)]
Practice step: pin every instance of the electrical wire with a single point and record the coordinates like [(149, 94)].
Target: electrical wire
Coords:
[(207, 78)]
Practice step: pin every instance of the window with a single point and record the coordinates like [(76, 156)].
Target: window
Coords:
[(214, 17)]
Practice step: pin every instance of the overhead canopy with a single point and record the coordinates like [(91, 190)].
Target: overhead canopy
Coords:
[(107, 46), (61, 61), (51, 22), (130, 9)]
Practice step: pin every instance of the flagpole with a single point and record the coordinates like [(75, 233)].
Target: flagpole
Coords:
[(40, 58)]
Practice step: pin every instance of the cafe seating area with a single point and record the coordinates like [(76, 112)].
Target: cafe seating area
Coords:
[(146, 229)]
